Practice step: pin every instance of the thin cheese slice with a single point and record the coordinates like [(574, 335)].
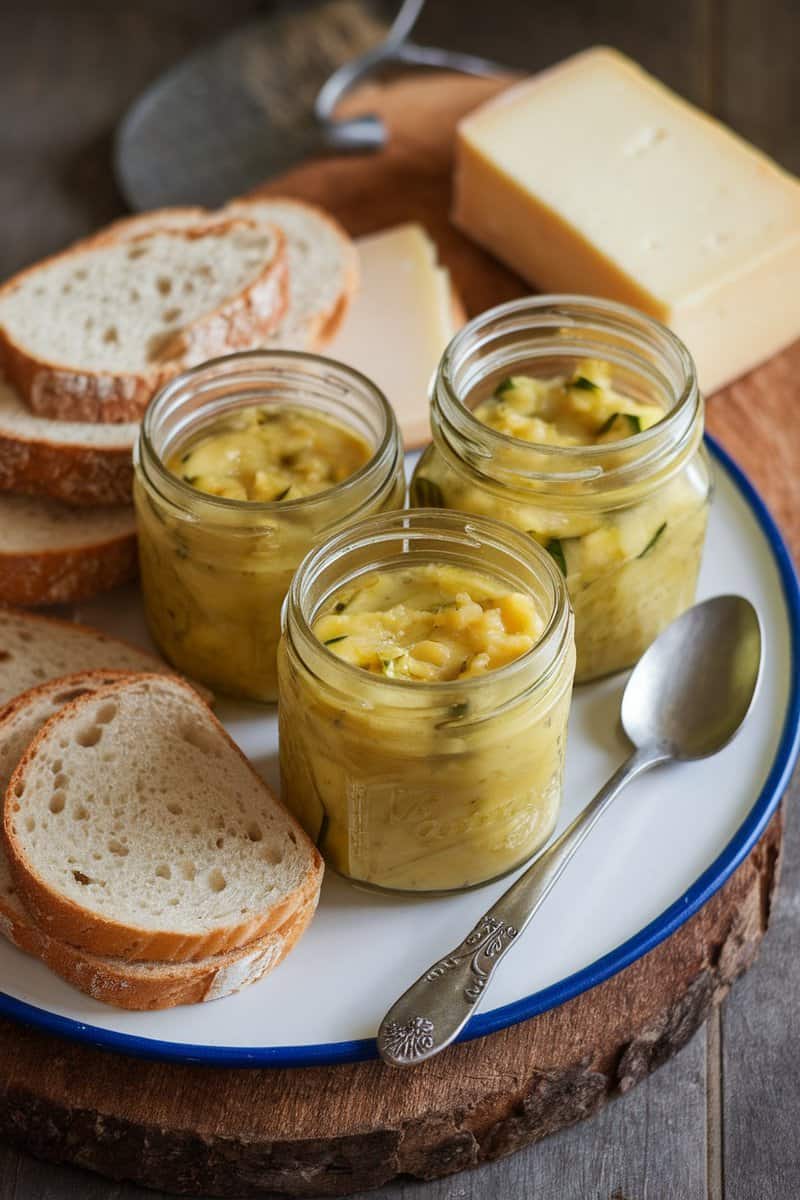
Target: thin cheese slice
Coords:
[(399, 322), (594, 178)]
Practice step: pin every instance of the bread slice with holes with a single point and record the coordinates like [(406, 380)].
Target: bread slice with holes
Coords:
[(137, 986), (322, 261), (21, 718), (72, 461), (52, 553), (91, 333), (135, 827), (35, 649)]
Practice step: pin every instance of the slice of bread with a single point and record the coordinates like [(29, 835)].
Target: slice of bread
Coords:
[(135, 827), (20, 720), (91, 333), (128, 985), (323, 270), (71, 461), (322, 259), (36, 649), (54, 554)]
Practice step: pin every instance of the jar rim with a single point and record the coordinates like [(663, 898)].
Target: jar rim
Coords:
[(214, 369), (403, 526), (571, 314)]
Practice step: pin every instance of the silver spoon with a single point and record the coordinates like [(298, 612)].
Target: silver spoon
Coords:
[(686, 699)]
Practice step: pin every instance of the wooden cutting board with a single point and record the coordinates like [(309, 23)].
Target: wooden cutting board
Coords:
[(334, 1130)]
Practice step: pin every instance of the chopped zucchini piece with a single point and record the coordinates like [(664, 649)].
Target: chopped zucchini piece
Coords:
[(653, 540), (634, 423), (505, 385), (584, 384)]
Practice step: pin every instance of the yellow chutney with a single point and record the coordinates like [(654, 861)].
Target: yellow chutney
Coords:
[(598, 459), (277, 453), (244, 464), (425, 679)]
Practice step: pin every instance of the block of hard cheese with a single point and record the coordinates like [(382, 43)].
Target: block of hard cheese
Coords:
[(399, 322), (594, 178)]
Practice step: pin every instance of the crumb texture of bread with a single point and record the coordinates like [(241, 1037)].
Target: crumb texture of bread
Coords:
[(22, 717), (20, 721), (136, 828)]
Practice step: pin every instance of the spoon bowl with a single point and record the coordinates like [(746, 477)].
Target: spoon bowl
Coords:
[(692, 689)]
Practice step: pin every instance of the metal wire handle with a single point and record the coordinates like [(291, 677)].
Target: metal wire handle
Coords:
[(368, 132)]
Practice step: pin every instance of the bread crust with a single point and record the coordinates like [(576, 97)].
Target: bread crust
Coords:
[(62, 918), (157, 218), (56, 390), (67, 574), (81, 475), (112, 981)]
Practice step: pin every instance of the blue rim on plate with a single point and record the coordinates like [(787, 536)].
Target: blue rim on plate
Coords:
[(601, 969)]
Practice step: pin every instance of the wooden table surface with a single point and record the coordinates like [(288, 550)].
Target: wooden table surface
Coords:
[(720, 1121)]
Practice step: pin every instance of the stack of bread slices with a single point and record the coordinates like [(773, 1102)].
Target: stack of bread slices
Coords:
[(141, 856), (88, 336)]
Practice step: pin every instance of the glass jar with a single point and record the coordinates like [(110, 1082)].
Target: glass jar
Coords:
[(624, 520), (425, 786), (214, 570)]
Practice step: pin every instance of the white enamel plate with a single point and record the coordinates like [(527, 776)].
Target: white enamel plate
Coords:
[(668, 844)]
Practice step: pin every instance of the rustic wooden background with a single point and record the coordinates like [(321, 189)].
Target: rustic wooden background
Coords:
[(720, 1121)]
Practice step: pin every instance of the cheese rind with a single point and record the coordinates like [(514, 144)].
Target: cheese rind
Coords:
[(594, 178), (399, 322)]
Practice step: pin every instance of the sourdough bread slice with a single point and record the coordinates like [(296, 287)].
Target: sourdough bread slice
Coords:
[(91, 333), (136, 828), (21, 718), (137, 986), (71, 461), (35, 650), (51, 553), (322, 260)]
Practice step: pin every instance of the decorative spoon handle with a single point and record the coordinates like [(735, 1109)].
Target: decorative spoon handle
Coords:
[(436, 1008)]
